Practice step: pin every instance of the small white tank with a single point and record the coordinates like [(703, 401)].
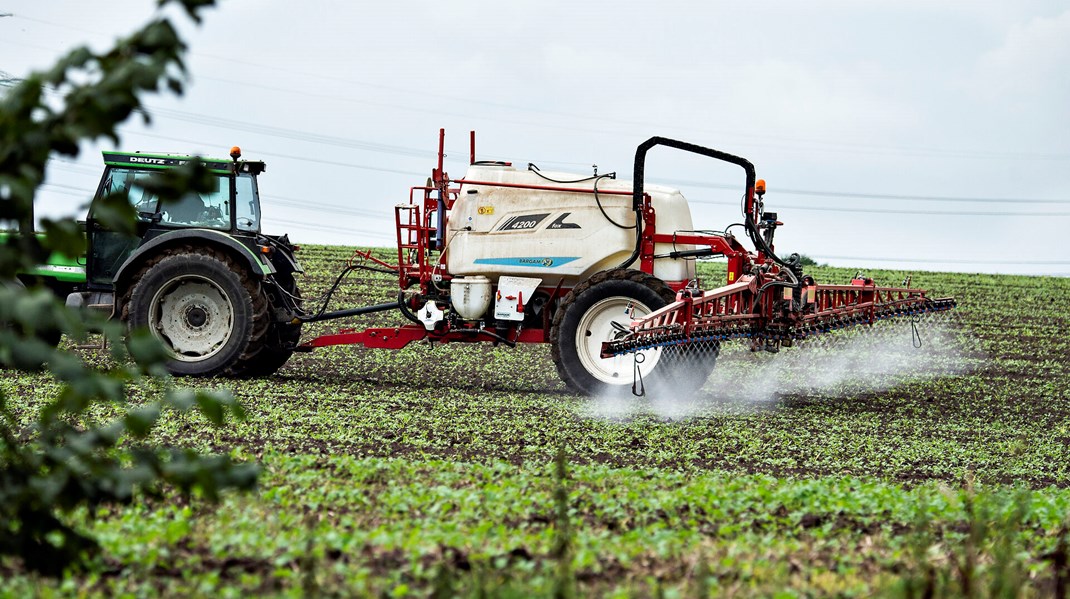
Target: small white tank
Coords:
[(471, 296), (555, 234)]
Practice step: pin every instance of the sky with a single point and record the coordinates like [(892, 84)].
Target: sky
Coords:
[(906, 134)]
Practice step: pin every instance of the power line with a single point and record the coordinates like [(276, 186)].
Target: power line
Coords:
[(853, 147), (284, 133), (785, 142), (893, 211), (294, 202), (288, 156), (860, 195), (700, 184), (871, 196), (319, 207), (321, 227), (948, 261)]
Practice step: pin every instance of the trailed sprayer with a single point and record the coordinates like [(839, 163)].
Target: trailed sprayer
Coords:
[(601, 269), (604, 271)]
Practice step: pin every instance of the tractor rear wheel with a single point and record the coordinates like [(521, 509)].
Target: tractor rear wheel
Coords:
[(210, 315), (601, 309)]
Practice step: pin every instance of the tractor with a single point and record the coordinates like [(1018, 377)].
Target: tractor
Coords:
[(199, 274)]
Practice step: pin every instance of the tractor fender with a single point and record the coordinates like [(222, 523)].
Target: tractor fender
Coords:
[(205, 237)]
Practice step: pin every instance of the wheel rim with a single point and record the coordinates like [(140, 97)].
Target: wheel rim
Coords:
[(596, 327), (193, 318)]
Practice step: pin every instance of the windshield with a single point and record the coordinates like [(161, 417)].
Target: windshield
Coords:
[(209, 210), (124, 180)]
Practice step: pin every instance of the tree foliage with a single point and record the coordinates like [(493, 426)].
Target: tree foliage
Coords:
[(60, 463)]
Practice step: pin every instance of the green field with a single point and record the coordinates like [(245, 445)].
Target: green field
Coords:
[(857, 466)]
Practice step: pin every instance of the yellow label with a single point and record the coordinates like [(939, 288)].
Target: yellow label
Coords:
[(485, 210), (731, 276)]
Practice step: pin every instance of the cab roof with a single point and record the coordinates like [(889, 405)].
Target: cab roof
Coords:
[(166, 161)]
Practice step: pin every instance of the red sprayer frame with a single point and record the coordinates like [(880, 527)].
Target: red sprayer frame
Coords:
[(770, 316), (767, 299)]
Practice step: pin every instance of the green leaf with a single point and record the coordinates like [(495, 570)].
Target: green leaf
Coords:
[(211, 407), (181, 399), (140, 421), (115, 213), (144, 348)]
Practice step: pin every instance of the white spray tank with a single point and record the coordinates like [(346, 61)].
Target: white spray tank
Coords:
[(512, 222)]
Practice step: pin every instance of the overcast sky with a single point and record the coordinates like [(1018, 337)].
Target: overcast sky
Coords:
[(913, 134)]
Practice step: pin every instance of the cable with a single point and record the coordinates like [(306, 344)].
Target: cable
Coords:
[(893, 211), (597, 199), (287, 156), (871, 196), (793, 142), (601, 209), (535, 169), (946, 261), (280, 132), (330, 292)]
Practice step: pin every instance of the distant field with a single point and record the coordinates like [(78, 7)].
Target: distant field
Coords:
[(859, 465)]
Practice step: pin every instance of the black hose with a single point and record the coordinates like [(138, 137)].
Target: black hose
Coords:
[(759, 243), (638, 241), (405, 311), (535, 169), (494, 336), (758, 295), (330, 292), (597, 200)]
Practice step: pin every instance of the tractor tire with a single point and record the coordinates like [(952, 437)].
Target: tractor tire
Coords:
[(280, 340), (208, 311), (593, 313)]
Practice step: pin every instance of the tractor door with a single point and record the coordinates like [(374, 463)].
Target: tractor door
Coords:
[(108, 249)]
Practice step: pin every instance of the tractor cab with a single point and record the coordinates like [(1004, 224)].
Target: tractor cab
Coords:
[(231, 207)]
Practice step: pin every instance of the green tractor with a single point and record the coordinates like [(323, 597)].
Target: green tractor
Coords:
[(219, 294)]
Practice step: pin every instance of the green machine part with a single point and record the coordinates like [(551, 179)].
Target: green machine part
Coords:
[(58, 267)]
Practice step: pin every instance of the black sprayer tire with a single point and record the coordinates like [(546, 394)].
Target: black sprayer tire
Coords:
[(209, 312), (585, 320)]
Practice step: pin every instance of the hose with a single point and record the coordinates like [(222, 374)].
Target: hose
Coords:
[(405, 311), (597, 200), (330, 292)]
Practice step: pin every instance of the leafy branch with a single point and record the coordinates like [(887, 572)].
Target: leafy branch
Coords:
[(55, 465)]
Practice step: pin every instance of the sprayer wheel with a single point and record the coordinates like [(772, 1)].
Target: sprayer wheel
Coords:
[(597, 310)]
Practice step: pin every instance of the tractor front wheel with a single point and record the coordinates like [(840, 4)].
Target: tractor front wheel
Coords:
[(205, 312)]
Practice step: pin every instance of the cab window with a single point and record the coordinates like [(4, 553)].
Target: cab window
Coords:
[(124, 180), (209, 210), (247, 204)]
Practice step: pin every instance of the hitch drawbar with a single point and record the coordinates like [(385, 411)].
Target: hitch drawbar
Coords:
[(766, 314)]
